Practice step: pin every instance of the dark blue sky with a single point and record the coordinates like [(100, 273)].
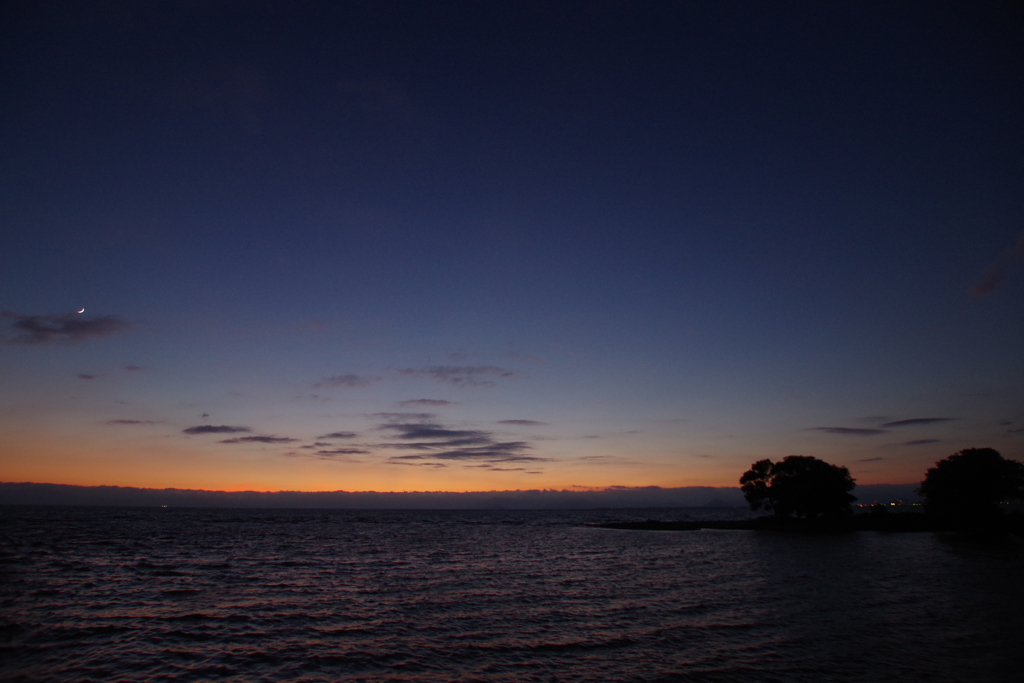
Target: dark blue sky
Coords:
[(683, 236)]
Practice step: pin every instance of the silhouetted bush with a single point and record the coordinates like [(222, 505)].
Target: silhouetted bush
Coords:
[(800, 486), (966, 488)]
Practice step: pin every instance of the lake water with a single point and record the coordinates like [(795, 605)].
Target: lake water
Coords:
[(101, 594)]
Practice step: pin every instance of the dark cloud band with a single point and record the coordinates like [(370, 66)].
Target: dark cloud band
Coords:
[(215, 429), (259, 439), (918, 421), (847, 431), (73, 327)]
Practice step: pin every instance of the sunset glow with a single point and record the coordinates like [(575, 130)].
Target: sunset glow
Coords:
[(475, 247)]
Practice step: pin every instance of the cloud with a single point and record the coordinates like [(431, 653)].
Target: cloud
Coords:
[(343, 451), (522, 422), (132, 368), (508, 451), (338, 435), (992, 279), (131, 422), (428, 430), (215, 429), (83, 375), (426, 402), (847, 431), (401, 416), (259, 439), (918, 421), (453, 444), (333, 455), (461, 375), (417, 464), (347, 381), (920, 442), (73, 327), (869, 459)]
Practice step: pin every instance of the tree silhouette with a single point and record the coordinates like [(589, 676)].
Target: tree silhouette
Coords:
[(799, 485), (967, 487)]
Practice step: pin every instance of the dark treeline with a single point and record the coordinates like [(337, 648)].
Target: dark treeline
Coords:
[(968, 491)]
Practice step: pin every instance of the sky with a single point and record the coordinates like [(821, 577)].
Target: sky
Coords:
[(485, 246)]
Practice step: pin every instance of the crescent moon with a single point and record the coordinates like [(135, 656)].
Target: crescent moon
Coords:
[(82, 310)]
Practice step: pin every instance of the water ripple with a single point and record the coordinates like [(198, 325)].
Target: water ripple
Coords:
[(198, 595)]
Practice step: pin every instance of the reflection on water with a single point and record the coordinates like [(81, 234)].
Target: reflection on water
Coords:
[(195, 595)]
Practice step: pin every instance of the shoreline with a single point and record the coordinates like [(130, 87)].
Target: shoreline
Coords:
[(889, 522)]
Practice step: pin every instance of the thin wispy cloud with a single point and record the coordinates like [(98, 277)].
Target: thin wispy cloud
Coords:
[(509, 451), (333, 455), (338, 435), (215, 429), (402, 416), (918, 421), (85, 375), (993, 277), (346, 381), (461, 375), (131, 422), (847, 431), (342, 451), (437, 442), (433, 431), (66, 327), (524, 423), (426, 402), (920, 442), (259, 439), (870, 459)]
